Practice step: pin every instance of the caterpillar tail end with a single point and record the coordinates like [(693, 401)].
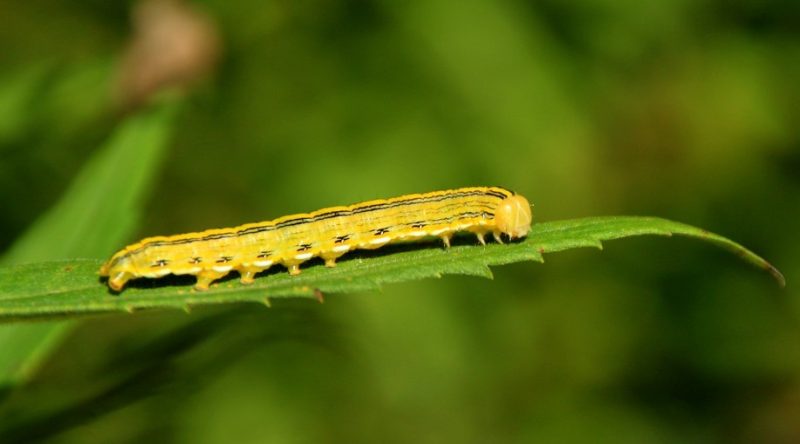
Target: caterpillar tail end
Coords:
[(118, 280)]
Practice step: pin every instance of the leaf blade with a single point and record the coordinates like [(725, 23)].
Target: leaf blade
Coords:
[(70, 288)]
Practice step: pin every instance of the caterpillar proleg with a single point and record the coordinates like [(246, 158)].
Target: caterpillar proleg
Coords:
[(327, 233)]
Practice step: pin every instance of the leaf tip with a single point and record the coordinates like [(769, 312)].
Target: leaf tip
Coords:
[(777, 275)]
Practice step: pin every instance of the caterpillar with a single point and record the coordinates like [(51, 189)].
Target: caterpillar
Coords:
[(327, 233)]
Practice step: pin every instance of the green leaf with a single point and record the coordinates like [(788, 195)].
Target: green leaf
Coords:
[(97, 213), (18, 93), (67, 288)]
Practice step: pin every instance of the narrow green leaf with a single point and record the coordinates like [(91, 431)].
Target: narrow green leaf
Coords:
[(18, 92), (67, 288), (96, 214)]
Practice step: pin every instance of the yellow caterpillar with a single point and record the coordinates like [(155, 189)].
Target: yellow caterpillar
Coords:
[(328, 233)]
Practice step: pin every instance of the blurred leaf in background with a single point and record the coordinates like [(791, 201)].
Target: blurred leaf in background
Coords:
[(86, 223), (679, 109)]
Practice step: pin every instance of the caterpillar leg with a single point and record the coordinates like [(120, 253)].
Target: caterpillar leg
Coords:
[(118, 281), (479, 233), (330, 257), (248, 274), (293, 263), (446, 239), (206, 277), (497, 237), (247, 277)]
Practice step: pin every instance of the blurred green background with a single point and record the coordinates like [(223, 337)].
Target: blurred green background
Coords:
[(681, 109)]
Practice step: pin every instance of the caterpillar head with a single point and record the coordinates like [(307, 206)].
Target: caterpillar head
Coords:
[(513, 216)]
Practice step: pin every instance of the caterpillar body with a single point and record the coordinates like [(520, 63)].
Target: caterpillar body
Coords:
[(328, 233)]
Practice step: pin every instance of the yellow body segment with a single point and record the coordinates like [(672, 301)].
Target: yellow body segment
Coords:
[(328, 233)]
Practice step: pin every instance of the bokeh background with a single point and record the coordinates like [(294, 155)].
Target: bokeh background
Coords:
[(688, 110)]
